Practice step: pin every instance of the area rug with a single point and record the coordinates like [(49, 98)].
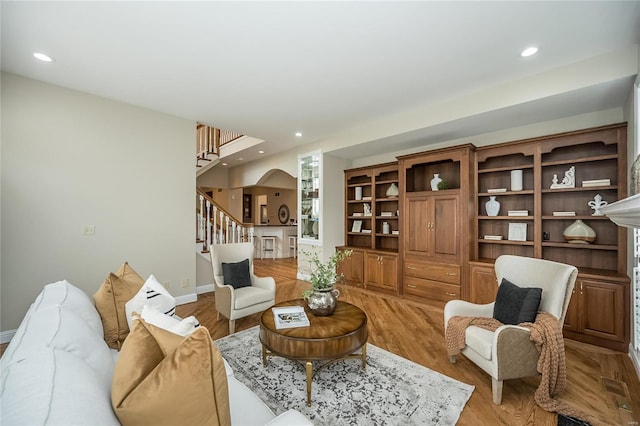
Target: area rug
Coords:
[(390, 391)]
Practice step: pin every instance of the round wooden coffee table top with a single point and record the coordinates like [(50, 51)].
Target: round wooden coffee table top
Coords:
[(328, 337)]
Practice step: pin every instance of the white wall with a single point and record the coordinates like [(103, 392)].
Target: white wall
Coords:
[(71, 159)]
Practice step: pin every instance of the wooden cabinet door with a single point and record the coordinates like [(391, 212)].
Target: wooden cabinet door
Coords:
[(484, 284), (417, 225), (371, 270), (431, 223), (445, 238), (357, 266), (352, 268), (389, 272), (601, 307)]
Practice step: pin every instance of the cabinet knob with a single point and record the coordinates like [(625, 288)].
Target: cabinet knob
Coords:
[(451, 274), (411, 286), (413, 268), (450, 294)]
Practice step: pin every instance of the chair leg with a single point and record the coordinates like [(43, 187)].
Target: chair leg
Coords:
[(218, 317), (496, 387), (232, 326), (452, 359)]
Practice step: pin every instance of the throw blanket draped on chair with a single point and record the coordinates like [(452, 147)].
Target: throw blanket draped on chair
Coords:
[(546, 333)]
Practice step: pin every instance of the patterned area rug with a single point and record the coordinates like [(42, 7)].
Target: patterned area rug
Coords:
[(390, 391)]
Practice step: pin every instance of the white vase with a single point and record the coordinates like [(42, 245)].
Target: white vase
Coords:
[(392, 191), (435, 181), (579, 233), (516, 180), (492, 206), (385, 228), (358, 193)]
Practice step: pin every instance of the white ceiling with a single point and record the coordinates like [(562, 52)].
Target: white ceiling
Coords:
[(269, 69)]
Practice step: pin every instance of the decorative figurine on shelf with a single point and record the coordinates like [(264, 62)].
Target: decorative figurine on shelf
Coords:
[(597, 205), (569, 180), (367, 209)]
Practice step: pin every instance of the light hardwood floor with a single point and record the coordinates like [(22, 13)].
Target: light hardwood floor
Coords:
[(598, 379)]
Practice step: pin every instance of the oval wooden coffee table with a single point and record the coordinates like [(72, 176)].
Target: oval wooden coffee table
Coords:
[(331, 338)]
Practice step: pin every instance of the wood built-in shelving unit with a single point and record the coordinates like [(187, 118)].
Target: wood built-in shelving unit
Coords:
[(599, 308)]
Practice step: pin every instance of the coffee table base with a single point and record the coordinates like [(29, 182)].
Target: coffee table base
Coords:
[(308, 365)]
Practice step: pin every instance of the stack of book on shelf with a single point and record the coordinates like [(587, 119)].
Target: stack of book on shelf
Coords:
[(564, 213), (366, 198), (596, 182), (357, 214), (496, 190), (518, 213), (395, 232), (386, 213), (493, 237), (290, 317)]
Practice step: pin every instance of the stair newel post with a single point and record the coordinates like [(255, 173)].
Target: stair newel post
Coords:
[(201, 220), (251, 234), (215, 228), (221, 234), (233, 231), (208, 239), (226, 230)]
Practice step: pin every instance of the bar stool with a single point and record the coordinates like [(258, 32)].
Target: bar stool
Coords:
[(265, 247), (293, 245)]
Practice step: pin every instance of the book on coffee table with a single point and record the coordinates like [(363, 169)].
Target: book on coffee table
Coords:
[(290, 317)]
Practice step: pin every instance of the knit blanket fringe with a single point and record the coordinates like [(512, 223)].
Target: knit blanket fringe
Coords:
[(546, 333)]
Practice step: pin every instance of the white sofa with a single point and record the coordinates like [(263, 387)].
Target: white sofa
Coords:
[(57, 370)]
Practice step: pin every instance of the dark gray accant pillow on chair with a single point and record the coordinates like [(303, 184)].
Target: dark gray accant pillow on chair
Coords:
[(515, 305), (237, 274)]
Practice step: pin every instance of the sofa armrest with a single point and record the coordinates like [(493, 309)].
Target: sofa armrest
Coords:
[(290, 418), (461, 308)]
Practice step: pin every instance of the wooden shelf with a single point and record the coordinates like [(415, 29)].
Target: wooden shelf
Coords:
[(581, 217), (580, 246), (506, 242), (506, 168), (506, 217), (580, 160), (500, 194), (581, 189)]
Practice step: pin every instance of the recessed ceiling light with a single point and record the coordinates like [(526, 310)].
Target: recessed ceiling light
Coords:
[(529, 51), (240, 158), (42, 57), (261, 152), (224, 164), (298, 134)]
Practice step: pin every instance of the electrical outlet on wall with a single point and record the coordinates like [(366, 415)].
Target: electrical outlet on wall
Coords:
[(185, 282), (166, 284)]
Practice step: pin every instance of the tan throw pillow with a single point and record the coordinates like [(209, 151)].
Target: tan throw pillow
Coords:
[(110, 299), (161, 378)]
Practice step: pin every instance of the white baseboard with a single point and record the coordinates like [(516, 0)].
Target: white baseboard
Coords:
[(187, 298), (207, 288), (6, 336), (635, 359)]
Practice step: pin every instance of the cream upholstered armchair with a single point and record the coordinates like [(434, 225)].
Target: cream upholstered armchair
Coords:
[(508, 352), (239, 292)]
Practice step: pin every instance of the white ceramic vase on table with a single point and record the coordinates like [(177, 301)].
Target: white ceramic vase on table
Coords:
[(435, 181)]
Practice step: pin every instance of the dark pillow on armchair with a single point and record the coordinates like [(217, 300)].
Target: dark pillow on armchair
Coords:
[(515, 305), (237, 274)]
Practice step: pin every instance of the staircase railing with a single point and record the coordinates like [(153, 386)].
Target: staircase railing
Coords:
[(210, 139), (217, 226)]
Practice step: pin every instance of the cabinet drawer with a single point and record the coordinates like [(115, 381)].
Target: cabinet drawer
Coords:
[(432, 271), (432, 290)]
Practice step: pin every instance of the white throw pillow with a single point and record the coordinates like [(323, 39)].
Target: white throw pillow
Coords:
[(154, 294), (170, 323)]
